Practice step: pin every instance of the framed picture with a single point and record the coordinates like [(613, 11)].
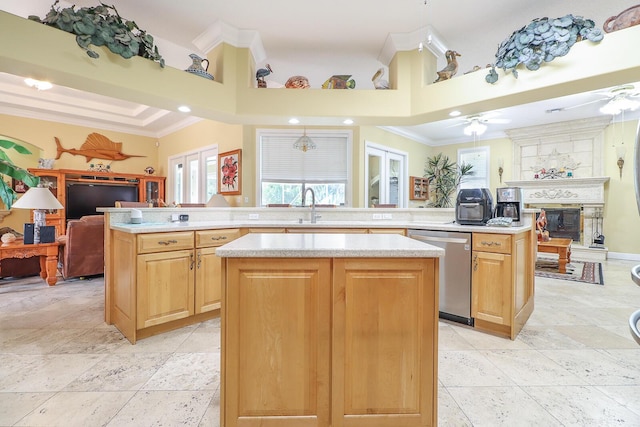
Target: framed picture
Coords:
[(230, 172), (18, 186)]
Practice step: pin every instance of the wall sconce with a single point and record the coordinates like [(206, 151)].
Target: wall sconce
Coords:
[(620, 152), (500, 168)]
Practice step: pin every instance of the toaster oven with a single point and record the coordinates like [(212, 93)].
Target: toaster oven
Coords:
[(474, 206)]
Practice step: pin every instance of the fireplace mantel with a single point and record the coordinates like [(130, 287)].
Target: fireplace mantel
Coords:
[(576, 191)]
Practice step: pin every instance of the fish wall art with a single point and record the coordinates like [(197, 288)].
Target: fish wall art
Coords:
[(96, 146)]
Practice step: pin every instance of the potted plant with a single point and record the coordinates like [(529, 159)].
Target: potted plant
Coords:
[(9, 169), (444, 178)]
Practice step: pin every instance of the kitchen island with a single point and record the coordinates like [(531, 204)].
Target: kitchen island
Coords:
[(162, 275), (329, 330)]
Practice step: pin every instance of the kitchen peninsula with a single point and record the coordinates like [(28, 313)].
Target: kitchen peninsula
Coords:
[(325, 329), (162, 275)]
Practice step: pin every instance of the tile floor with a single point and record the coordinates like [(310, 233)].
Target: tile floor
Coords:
[(574, 363)]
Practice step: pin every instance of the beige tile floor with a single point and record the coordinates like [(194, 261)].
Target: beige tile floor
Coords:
[(574, 363)]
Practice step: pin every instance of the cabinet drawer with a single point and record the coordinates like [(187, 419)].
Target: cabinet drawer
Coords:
[(162, 242), (209, 238), (500, 243)]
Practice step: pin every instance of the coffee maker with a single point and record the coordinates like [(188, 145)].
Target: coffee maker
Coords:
[(509, 204)]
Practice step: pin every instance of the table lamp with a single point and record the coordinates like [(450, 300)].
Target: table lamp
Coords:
[(39, 199)]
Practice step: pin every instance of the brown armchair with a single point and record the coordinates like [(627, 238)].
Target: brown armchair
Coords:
[(82, 248)]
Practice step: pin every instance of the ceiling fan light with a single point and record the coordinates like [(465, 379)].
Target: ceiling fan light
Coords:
[(476, 128), (619, 104)]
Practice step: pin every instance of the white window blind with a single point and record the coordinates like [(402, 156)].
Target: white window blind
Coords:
[(282, 163)]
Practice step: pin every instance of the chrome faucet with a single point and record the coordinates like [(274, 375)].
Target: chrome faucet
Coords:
[(314, 216)]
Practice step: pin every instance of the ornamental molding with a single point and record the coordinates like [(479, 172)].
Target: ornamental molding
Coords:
[(562, 190), (554, 194)]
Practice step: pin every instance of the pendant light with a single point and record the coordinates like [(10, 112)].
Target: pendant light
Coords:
[(304, 143)]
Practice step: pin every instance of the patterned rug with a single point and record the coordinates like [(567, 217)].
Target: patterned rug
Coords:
[(577, 271)]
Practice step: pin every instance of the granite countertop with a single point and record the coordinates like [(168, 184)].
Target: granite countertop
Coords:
[(309, 245), (159, 227)]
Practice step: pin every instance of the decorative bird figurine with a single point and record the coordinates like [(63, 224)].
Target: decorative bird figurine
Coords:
[(261, 74), (378, 83), (451, 68)]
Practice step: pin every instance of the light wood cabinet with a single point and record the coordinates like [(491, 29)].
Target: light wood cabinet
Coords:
[(208, 284), (329, 342), (418, 188), (491, 298), (165, 287), (502, 284), (175, 280)]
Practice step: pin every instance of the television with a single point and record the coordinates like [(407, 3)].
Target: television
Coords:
[(83, 198)]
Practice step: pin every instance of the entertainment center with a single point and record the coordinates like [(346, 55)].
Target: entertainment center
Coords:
[(81, 192)]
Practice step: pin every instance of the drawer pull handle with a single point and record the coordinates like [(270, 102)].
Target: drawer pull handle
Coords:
[(199, 259), (491, 243), (167, 242), (219, 238), (475, 262), (192, 262)]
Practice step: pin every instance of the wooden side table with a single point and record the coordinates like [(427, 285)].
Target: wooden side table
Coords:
[(48, 253), (562, 247)]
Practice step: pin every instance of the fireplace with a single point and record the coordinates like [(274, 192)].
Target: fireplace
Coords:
[(564, 223)]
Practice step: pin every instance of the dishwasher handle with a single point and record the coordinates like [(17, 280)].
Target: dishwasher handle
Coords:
[(439, 239)]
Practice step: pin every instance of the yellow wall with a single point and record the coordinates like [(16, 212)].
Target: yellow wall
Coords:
[(38, 136), (499, 148), (202, 134), (417, 154), (621, 218)]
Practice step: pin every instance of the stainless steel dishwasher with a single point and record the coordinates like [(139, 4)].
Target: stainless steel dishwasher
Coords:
[(455, 272)]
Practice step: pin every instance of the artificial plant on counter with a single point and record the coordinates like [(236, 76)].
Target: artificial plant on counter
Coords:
[(9, 169), (444, 178), (102, 26)]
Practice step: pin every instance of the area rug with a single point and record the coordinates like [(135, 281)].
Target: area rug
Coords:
[(577, 271)]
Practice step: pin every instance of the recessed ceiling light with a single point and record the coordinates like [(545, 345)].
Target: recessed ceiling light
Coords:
[(184, 109), (454, 113), (293, 121), (348, 122), (38, 84)]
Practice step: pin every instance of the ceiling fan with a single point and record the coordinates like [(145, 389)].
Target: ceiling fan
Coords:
[(618, 99), (476, 124)]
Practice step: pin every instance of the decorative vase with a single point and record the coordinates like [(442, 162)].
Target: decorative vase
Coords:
[(197, 68)]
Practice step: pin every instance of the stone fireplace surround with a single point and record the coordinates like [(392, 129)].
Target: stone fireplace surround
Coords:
[(575, 146), (585, 193)]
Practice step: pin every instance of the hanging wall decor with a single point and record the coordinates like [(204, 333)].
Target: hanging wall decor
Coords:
[(96, 146), (230, 172)]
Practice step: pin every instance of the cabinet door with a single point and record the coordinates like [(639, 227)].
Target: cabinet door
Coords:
[(384, 352), (208, 280), (276, 342), (491, 287), (165, 287), (151, 190)]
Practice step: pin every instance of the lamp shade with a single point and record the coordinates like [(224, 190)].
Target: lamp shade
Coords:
[(38, 198)]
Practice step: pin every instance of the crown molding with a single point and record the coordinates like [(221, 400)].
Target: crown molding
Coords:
[(221, 32), (396, 42)]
